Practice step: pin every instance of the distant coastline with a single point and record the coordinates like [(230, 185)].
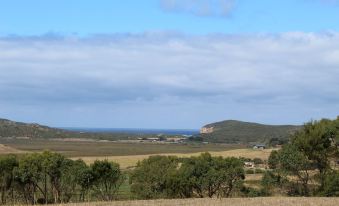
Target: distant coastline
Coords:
[(134, 130)]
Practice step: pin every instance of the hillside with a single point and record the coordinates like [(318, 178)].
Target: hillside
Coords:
[(232, 131), (12, 129)]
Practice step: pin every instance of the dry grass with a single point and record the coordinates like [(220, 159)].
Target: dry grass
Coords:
[(99, 149), (267, 201), (131, 160), (254, 177), (4, 149)]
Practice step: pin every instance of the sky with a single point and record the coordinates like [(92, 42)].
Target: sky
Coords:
[(170, 64)]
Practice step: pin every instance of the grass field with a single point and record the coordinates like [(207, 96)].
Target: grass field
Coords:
[(267, 201), (83, 148), (8, 150), (131, 160), (126, 154)]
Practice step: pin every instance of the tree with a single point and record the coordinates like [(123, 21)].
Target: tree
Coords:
[(207, 176), (317, 141), (270, 181), (7, 165), (294, 162), (81, 175), (331, 184), (150, 177), (107, 178), (273, 160), (52, 165), (28, 176)]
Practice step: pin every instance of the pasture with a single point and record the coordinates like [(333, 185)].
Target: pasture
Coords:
[(106, 149), (126, 154), (131, 160), (262, 201)]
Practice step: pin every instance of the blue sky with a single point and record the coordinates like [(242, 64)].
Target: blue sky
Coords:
[(168, 63), (84, 17)]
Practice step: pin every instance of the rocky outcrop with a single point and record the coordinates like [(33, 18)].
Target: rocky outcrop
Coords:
[(206, 130)]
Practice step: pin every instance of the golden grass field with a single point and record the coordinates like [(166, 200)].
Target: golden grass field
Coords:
[(8, 150), (131, 160), (127, 161), (267, 201)]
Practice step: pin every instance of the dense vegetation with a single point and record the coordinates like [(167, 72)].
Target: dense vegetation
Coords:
[(306, 166), (203, 176), (232, 131), (52, 178)]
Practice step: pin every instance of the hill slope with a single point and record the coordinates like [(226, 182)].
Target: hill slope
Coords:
[(232, 131), (10, 128)]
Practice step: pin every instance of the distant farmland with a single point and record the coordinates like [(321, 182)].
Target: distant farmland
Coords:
[(95, 148), (266, 201)]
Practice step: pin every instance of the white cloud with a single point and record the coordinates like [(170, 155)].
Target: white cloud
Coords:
[(270, 78)]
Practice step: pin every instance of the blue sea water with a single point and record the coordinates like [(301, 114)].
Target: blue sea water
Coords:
[(136, 131)]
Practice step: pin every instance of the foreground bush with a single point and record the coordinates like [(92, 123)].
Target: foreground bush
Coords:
[(51, 178), (203, 176), (310, 151)]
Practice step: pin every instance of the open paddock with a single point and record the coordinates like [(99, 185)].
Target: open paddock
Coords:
[(105, 149), (131, 160), (266, 201)]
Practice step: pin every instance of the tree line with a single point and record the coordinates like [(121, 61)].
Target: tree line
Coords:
[(51, 178), (306, 166)]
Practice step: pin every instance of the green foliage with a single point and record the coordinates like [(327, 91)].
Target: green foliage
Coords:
[(107, 178), (149, 178), (258, 161), (273, 160), (208, 176), (250, 171), (271, 180), (258, 171), (317, 142), (311, 149), (51, 178), (331, 184), (202, 176), (7, 165), (232, 131), (252, 192), (294, 162)]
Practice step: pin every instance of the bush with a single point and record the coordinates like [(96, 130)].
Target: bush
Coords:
[(250, 171), (149, 179), (331, 185), (271, 180), (252, 192), (259, 171), (258, 161)]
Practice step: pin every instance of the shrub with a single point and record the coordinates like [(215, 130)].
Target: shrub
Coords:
[(259, 171), (250, 171), (331, 185), (258, 161)]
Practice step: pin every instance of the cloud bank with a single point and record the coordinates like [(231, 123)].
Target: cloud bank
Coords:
[(169, 80), (219, 8)]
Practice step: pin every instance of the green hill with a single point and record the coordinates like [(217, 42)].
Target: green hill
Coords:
[(10, 128), (232, 131)]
